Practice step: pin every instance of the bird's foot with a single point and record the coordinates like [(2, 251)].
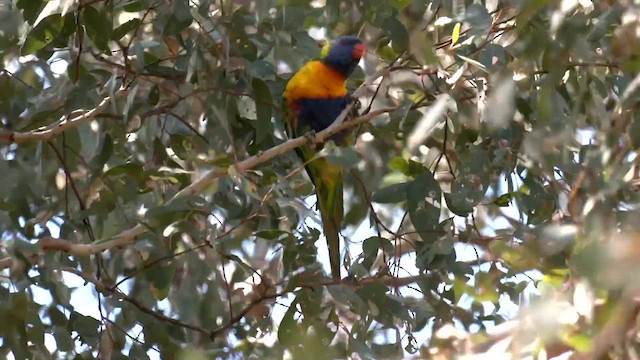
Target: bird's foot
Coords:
[(354, 100), (356, 106), (311, 137)]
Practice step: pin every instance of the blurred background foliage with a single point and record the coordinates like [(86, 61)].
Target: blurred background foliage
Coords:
[(493, 211)]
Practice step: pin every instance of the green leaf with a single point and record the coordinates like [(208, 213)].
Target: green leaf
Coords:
[(288, 328), (370, 249), (422, 187), (159, 70), (400, 4), (391, 194), (344, 156), (130, 169), (400, 113), (104, 152), (407, 167), (374, 292), (346, 296), (124, 29), (386, 53), (138, 351), (192, 354), (263, 109), (333, 10), (362, 349), (43, 34), (24, 247), (76, 71), (376, 12), (272, 234), (442, 246), (6, 206), (85, 326), (175, 25), (422, 309), (397, 33), (478, 18), (63, 339), (263, 70), (161, 279), (580, 342), (425, 219), (178, 209), (463, 197), (504, 199), (31, 9), (371, 245), (472, 61), (455, 35), (57, 317), (99, 27), (135, 6), (154, 95), (634, 133), (493, 57)]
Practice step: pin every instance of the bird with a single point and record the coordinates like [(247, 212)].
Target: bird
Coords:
[(312, 100)]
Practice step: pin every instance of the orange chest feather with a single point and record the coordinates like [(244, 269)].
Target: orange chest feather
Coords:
[(315, 81)]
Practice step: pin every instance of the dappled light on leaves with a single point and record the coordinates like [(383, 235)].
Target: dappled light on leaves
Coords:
[(152, 206)]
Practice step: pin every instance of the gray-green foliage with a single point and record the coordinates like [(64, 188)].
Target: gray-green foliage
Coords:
[(512, 136)]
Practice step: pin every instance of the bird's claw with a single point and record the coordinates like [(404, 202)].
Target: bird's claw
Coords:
[(356, 105), (311, 137), (354, 99)]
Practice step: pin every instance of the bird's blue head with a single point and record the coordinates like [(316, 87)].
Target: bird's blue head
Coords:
[(344, 55)]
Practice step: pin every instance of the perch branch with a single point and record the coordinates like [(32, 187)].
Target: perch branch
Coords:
[(130, 235)]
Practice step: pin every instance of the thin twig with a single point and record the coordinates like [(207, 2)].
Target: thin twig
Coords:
[(100, 287)]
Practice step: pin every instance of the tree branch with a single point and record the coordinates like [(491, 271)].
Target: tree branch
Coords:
[(130, 235), (64, 124), (101, 287), (265, 294)]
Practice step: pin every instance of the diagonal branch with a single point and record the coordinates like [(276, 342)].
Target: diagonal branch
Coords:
[(101, 287), (64, 124), (129, 236), (265, 294)]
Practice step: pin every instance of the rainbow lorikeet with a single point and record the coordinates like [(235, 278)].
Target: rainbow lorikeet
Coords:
[(313, 98)]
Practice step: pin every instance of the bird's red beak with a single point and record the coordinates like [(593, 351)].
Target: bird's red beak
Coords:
[(358, 51)]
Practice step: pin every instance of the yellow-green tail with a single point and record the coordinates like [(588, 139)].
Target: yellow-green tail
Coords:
[(327, 179)]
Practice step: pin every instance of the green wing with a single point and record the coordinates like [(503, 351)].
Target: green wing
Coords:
[(327, 179)]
